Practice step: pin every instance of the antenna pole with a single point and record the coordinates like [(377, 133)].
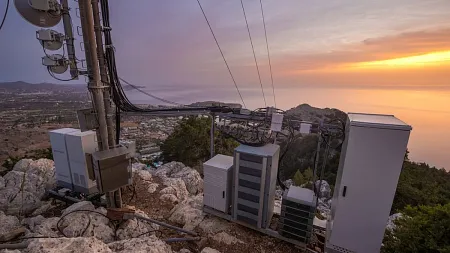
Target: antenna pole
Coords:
[(95, 85), (114, 198), (67, 21)]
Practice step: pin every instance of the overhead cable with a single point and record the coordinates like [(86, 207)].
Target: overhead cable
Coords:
[(4, 16), (268, 54), (254, 55), (223, 57), (149, 94)]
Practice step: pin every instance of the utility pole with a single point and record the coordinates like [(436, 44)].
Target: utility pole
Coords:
[(213, 117), (98, 85), (67, 21), (114, 199)]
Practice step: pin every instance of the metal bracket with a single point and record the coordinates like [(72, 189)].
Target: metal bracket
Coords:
[(77, 12), (82, 46), (78, 31)]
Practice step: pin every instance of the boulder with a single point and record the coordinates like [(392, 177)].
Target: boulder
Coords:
[(22, 165), (32, 222), (8, 223), (288, 183), (2, 183), (135, 228), (223, 237), (73, 245), (189, 213), (278, 193), (23, 202), (183, 250), (140, 245), (277, 206), (45, 207), (391, 220), (324, 189), (176, 187), (191, 177), (87, 224), (83, 205), (47, 227), (10, 251), (213, 225), (209, 250), (324, 207)]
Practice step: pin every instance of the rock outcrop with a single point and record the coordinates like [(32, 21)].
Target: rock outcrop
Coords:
[(391, 220), (324, 189), (74, 245), (8, 223), (209, 250), (25, 185), (188, 213), (140, 245), (190, 177)]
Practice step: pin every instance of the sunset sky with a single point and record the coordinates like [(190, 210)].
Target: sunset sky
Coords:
[(335, 43)]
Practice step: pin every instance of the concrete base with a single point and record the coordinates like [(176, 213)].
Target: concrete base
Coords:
[(266, 231)]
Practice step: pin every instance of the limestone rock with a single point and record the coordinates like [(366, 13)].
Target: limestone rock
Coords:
[(32, 222), (10, 251), (74, 245), (24, 202), (134, 228), (169, 198), (189, 213), (45, 207), (47, 227), (2, 183), (22, 165), (8, 223), (83, 205), (278, 193), (183, 250), (175, 186), (288, 183), (390, 223), (87, 224), (324, 207), (141, 245), (213, 225), (146, 179), (223, 237), (324, 189), (191, 177), (277, 206), (209, 250)]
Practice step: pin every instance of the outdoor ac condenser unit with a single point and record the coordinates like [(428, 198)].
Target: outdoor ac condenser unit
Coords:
[(254, 182)]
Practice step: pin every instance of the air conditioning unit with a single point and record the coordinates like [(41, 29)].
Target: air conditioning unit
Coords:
[(297, 214), (254, 182)]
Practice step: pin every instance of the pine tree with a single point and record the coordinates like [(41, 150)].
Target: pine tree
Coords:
[(298, 178)]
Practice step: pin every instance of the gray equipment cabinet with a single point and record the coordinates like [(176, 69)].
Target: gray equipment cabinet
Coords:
[(218, 173), (369, 168), (254, 182)]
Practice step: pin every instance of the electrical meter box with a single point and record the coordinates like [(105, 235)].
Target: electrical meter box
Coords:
[(112, 168), (217, 173), (370, 164)]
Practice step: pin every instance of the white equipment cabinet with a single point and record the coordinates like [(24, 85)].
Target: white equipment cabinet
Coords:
[(60, 156), (370, 165), (78, 144), (218, 173)]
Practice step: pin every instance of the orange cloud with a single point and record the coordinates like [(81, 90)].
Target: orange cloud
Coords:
[(418, 59)]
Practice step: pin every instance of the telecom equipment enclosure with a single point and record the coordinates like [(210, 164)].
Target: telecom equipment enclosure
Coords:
[(254, 182), (218, 173), (370, 164), (61, 157), (78, 145)]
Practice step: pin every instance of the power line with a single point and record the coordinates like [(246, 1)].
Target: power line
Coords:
[(149, 94), (218, 46), (254, 55), (268, 54), (4, 16)]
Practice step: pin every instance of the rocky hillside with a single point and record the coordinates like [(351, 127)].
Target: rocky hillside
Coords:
[(172, 193), (314, 114)]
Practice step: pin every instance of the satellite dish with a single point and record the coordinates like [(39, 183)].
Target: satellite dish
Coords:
[(58, 69), (37, 17)]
